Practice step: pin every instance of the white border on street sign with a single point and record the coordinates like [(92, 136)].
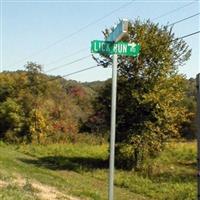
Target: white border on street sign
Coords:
[(120, 30)]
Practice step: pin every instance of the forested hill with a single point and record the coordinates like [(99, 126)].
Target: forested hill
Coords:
[(95, 85), (38, 108), (35, 107)]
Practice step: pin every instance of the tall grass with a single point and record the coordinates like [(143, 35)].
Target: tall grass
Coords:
[(83, 169)]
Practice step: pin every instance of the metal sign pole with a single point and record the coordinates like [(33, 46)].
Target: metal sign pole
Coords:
[(198, 134), (112, 134), (114, 47)]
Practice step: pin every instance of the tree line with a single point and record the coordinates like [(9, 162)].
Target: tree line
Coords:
[(154, 102)]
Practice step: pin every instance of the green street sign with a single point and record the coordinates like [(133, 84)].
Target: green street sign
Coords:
[(119, 48)]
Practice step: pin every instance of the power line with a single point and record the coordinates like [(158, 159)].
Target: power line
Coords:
[(85, 69), (97, 20), (64, 57), (84, 27), (74, 61), (72, 73), (88, 68), (168, 25), (185, 36), (94, 22), (77, 31), (184, 19), (82, 70), (174, 10)]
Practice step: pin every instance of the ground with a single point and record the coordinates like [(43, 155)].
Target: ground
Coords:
[(80, 172)]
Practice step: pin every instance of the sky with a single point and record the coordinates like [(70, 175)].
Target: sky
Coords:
[(57, 33)]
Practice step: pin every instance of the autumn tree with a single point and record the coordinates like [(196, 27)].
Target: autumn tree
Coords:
[(188, 127), (150, 92), (38, 108)]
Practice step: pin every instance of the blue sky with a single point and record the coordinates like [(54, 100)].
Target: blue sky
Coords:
[(29, 27)]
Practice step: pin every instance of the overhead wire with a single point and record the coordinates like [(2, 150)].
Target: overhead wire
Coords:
[(179, 21), (174, 10), (72, 62), (72, 73), (95, 66), (76, 32), (64, 57), (85, 69), (188, 35), (79, 71), (184, 19), (84, 27), (96, 21)]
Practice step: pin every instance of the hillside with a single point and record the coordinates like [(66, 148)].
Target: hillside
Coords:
[(35, 107)]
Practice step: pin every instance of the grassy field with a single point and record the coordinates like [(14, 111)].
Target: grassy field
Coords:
[(80, 171)]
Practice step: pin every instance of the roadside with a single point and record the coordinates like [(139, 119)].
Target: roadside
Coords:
[(21, 177)]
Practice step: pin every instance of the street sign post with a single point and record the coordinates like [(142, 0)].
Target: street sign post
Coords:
[(119, 48), (112, 129), (120, 31), (112, 46)]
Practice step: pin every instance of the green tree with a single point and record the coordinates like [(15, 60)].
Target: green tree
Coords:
[(188, 128), (38, 108), (36, 82), (11, 120), (150, 92), (31, 99)]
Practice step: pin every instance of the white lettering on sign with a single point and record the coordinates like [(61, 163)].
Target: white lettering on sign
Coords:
[(105, 47), (95, 46), (124, 48), (115, 48), (120, 48)]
